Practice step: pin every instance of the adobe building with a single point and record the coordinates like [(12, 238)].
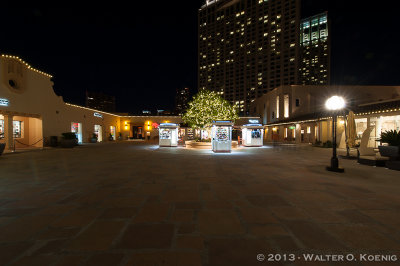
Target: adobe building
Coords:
[(297, 113), (31, 113)]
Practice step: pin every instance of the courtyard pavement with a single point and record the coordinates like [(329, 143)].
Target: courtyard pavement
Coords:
[(136, 204)]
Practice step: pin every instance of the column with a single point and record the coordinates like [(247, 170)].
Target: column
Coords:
[(8, 132)]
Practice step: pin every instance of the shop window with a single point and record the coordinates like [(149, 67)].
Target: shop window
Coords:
[(308, 130), (1, 129), (17, 129)]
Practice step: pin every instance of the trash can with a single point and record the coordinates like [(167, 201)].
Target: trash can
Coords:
[(53, 141)]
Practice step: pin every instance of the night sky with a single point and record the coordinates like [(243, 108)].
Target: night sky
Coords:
[(143, 54)]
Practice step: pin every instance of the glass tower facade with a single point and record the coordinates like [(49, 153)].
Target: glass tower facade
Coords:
[(314, 50)]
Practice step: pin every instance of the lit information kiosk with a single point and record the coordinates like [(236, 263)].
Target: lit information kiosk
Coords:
[(168, 135), (252, 135), (222, 136)]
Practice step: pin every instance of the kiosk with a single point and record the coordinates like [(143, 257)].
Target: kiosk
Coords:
[(252, 135), (222, 136), (168, 134)]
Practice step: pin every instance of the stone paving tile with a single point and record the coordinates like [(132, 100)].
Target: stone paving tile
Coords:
[(105, 259), (186, 228), (145, 236), (51, 247), (237, 252), (361, 237), (219, 222), (257, 215), (217, 204), (70, 260), (39, 260), (11, 251), (164, 258), (152, 213), (56, 210), (179, 195), (190, 242), (23, 228), (182, 216), (77, 218), (13, 212), (268, 230), (354, 216), (56, 233), (289, 213), (324, 215), (97, 237), (386, 217), (118, 213), (191, 205), (314, 237), (267, 201)]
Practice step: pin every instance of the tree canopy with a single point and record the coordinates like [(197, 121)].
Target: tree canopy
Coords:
[(206, 107)]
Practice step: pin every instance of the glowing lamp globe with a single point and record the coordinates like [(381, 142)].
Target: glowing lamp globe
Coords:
[(335, 103)]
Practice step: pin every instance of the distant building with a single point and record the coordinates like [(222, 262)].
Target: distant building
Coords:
[(248, 47), (314, 66), (100, 101), (181, 100)]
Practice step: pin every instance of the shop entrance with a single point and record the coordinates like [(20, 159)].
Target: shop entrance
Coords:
[(77, 129), (137, 132), (21, 132), (99, 132)]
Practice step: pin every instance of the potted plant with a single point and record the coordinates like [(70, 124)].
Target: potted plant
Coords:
[(111, 138), (2, 147), (93, 139), (392, 138), (119, 136), (69, 140)]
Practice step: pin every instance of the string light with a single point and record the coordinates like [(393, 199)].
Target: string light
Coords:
[(26, 64)]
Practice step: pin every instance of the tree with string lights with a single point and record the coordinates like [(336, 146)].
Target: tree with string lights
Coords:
[(206, 107)]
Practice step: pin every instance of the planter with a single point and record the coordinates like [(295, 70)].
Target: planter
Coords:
[(390, 151), (68, 143), (110, 138), (2, 147), (93, 140), (198, 145)]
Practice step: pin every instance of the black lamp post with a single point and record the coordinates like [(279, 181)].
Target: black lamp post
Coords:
[(335, 103)]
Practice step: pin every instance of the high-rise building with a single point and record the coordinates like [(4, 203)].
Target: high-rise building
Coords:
[(181, 100), (248, 47), (100, 101), (314, 67)]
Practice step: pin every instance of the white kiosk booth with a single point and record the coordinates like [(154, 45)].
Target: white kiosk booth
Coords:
[(168, 135), (252, 135), (222, 136)]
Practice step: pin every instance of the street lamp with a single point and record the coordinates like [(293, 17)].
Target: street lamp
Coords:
[(334, 104)]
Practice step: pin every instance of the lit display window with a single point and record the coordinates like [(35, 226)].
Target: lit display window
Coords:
[(17, 129), (1, 129)]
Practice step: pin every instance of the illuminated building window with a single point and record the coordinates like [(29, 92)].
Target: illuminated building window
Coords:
[(286, 105), (277, 106)]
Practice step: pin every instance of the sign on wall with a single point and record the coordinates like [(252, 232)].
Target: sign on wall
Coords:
[(98, 115), (253, 121), (4, 102)]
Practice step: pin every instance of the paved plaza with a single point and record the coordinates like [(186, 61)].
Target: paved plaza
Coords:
[(133, 203)]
